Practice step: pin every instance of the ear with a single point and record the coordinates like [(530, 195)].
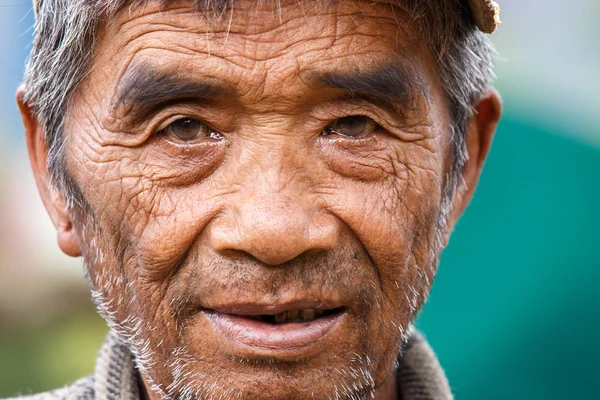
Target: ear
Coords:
[(53, 200), (479, 135)]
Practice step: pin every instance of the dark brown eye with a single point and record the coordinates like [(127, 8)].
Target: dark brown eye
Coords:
[(188, 129), (355, 126)]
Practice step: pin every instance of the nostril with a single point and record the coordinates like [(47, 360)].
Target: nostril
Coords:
[(269, 248)]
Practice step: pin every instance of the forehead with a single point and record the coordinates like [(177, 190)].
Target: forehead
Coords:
[(260, 43), (266, 19)]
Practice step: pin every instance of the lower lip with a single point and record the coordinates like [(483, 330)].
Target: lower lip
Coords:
[(268, 339)]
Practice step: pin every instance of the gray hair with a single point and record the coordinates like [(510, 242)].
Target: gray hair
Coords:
[(65, 37)]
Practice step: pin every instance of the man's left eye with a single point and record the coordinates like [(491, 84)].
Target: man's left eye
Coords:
[(188, 129), (355, 126)]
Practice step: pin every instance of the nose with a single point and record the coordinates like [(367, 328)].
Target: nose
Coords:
[(273, 226)]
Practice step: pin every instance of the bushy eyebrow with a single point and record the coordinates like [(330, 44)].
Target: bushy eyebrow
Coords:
[(387, 83), (146, 87)]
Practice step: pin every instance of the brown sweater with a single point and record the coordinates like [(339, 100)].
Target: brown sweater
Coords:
[(420, 376)]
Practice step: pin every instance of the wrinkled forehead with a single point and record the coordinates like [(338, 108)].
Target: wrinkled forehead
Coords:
[(215, 6), (485, 13), (265, 29), (251, 16), (255, 17), (287, 41)]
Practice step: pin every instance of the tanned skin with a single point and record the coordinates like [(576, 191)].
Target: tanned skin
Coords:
[(268, 157)]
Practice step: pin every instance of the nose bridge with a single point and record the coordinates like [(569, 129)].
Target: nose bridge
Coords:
[(279, 175), (276, 215), (276, 169)]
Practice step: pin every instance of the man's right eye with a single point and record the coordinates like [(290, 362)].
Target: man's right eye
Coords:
[(189, 129)]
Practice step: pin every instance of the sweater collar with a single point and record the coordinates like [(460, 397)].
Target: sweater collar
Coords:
[(116, 376)]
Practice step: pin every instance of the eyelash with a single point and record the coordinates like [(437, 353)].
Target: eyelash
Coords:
[(329, 118)]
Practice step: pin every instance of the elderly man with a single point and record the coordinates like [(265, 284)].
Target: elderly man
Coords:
[(260, 189)]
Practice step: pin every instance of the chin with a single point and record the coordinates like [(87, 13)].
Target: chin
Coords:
[(346, 364), (271, 379)]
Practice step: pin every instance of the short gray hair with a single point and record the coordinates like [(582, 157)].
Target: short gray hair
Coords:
[(65, 37)]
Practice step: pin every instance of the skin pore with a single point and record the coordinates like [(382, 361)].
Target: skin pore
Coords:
[(270, 156)]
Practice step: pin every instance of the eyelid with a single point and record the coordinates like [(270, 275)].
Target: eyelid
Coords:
[(355, 107), (395, 124), (160, 119), (165, 123), (159, 128)]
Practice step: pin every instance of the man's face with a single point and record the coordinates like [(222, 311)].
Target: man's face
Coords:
[(263, 193)]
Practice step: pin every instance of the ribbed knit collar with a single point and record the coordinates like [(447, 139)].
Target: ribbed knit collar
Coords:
[(115, 376)]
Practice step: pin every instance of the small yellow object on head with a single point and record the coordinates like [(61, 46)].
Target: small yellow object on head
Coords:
[(486, 14)]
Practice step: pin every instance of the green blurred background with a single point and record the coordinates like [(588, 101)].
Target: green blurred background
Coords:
[(514, 310)]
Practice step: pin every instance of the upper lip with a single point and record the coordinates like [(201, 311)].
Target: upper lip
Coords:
[(257, 308)]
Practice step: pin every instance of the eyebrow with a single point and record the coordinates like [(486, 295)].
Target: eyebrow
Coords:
[(147, 87), (388, 83)]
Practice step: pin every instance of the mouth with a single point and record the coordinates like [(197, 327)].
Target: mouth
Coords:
[(284, 331), (295, 316)]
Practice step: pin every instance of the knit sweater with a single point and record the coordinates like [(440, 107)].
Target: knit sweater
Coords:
[(420, 376)]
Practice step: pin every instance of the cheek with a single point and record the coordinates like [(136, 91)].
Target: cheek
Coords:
[(391, 201), (169, 231), (367, 160), (389, 195), (151, 201)]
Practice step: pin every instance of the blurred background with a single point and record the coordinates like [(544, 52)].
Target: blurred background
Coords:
[(514, 312)]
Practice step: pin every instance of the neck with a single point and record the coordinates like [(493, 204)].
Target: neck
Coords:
[(388, 390)]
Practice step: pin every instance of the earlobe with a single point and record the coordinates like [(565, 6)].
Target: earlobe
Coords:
[(479, 135), (53, 201), (67, 239)]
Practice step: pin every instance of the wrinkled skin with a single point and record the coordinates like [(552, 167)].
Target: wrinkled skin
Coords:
[(270, 208)]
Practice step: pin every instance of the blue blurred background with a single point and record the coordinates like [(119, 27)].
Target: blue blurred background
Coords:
[(514, 312)]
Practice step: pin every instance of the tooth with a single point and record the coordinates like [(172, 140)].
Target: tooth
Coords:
[(292, 315), (308, 314), (280, 318), (319, 313)]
